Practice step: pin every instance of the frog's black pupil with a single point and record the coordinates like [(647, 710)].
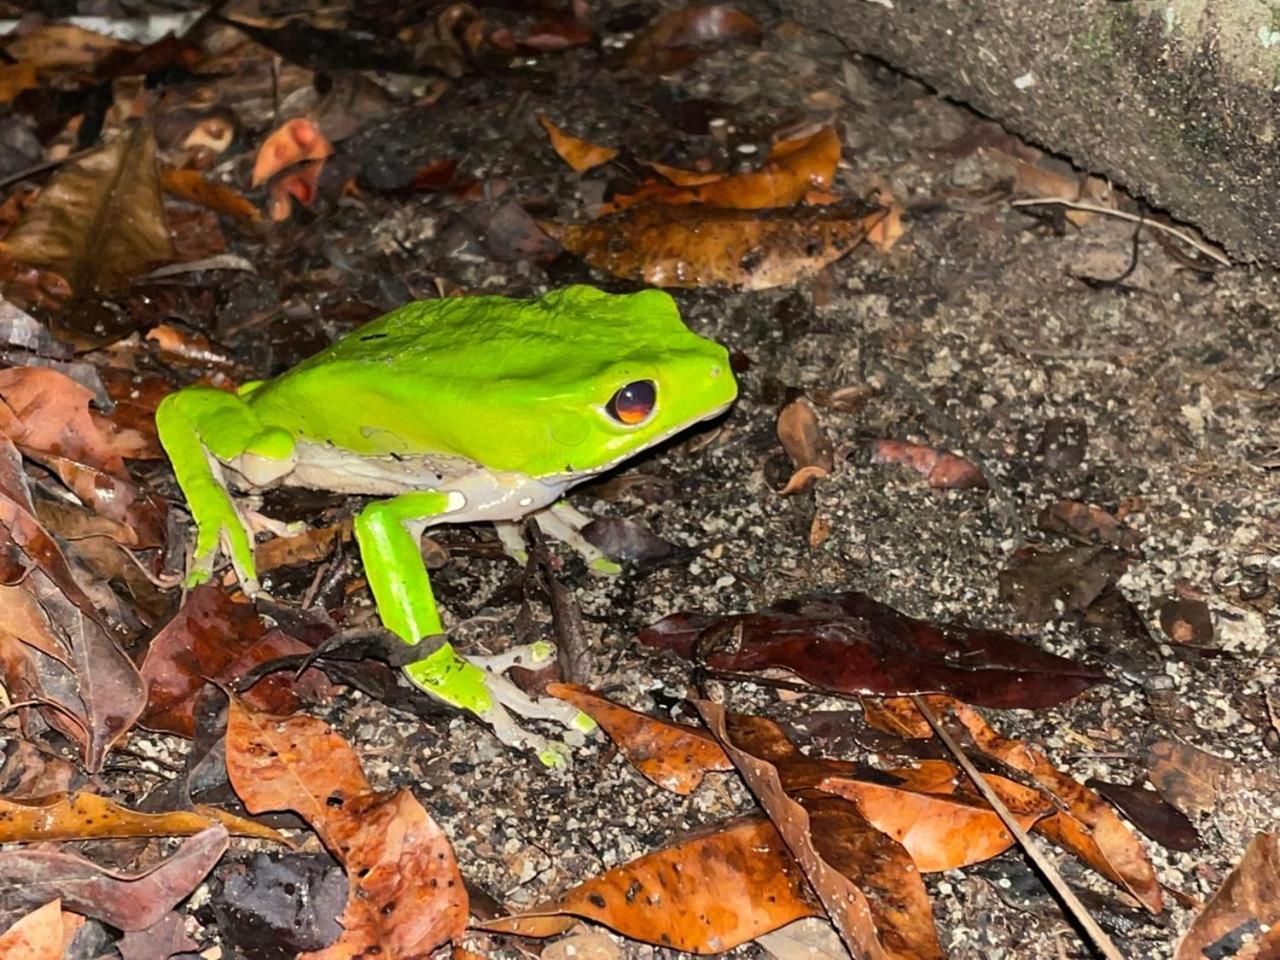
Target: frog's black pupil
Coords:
[(634, 402)]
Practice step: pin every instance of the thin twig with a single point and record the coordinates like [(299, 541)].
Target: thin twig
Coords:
[(1131, 217), (1069, 898)]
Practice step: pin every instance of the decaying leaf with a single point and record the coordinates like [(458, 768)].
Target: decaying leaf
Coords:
[(214, 638), (944, 471), (43, 934), (406, 896), (128, 901), (675, 39), (1246, 905), (705, 893), (852, 643), (695, 246), (192, 186), (1042, 584), (99, 222), (672, 755), (46, 414), (866, 881), (1087, 523), (87, 816), (580, 154)]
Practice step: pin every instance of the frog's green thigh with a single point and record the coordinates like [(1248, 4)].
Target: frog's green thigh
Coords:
[(388, 533), (198, 428)]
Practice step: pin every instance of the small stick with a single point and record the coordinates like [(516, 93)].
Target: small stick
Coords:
[(1072, 902), (1131, 217)]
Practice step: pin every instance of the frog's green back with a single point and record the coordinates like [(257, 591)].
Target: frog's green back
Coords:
[(511, 384)]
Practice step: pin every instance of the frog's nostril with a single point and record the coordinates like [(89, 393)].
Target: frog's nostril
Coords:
[(715, 371)]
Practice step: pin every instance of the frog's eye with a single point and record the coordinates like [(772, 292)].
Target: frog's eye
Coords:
[(633, 403)]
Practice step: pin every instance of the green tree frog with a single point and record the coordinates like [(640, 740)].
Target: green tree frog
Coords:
[(454, 411)]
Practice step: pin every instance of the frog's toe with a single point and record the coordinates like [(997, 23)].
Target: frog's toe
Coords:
[(554, 756), (604, 567)]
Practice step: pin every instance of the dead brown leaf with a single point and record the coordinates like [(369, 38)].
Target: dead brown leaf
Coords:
[(580, 154), (191, 185), (945, 471), (1247, 904), (695, 246), (706, 893), (407, 897), (55, 45), (806, 443), (43, 934), (675, 39), (672, 755)]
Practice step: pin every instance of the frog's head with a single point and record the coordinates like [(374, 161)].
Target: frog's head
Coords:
[(581, 380)]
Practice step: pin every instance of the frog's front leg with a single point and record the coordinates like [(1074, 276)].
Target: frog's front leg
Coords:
[(388, 533), (201, 428)]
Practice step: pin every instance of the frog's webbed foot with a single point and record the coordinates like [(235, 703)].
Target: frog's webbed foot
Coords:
[(562, 522), (474, 684)]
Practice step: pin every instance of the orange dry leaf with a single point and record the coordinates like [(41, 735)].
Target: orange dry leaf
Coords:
[(945, 471), (706, 893), (582, 155), (43, 934), (407, 897), (806, 444), (934, 812), (672, 755), (684, 178), (792, 169), (295, 141), (87, 816), (16, 77), (1247, 902), (1086, 826), (687, 246), (191, 185), (889, 230)]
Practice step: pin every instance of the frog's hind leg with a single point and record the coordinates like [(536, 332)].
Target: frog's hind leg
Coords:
[(199, 428)]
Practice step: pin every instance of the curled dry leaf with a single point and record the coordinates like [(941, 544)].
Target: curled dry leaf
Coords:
[(852, 643), (944, 471), (1085, 824), (580, 154), (294, 141), (130, 901), (87, 816), (792, 169), (1248, 902), (872, 892), (706, 893), (99, 222), (43, 934), (806, 443), (406, 894), (672, 755), (694, 246), (46, 414)]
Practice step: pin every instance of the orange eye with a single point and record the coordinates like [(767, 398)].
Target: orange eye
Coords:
[(633, 403)]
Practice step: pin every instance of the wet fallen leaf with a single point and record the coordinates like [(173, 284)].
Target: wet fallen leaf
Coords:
[(676, 38), (1085, 824), (672, 755), (28, 772), (896, 715), (944, 471), (706, 893), (130, 901), (933, 811), (854, 644), (792, 169), (192, 186), (806, 444), (685, 178), (627, 540), (1086, 523), (43, 934), (580, 154), (1246, 905), (87, 816), (1195, 781), (1041, 585), (694, 246), (406, 894), (866, 881), (47, 415), (99, 223), (1150, 813), (214, 638), (311, 545), (295, 141)]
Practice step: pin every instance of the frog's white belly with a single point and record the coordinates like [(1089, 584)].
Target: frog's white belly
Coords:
[(480, 494)]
